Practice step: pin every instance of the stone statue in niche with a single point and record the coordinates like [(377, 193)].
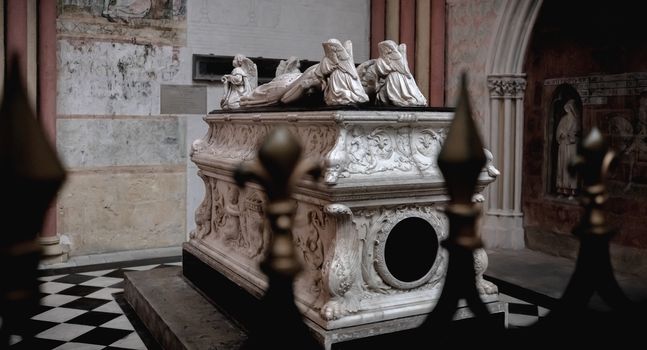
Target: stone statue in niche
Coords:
[(241, 82), (125, 10), (567, 137)]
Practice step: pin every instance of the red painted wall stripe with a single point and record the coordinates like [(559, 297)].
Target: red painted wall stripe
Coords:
[(437, 56), (378, 22), (16, 35), (47, 76), (408, 30)]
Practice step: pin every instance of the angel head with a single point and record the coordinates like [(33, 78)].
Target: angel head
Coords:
[(389, 50), (570, 108), (335, 51), (395, 56), (238, 60)]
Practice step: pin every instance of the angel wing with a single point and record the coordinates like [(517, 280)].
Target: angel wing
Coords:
[(348, 46), (292, 65), (252, 72), (403, 52), (345, 56), (280, 70)]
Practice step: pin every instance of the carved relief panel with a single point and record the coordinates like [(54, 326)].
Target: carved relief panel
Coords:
[(386, 151)]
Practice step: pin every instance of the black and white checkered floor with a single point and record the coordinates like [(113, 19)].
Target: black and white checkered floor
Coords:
[(85, 310), (79, 311)]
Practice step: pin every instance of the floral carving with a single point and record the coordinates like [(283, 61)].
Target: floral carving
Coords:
[(239, 141), (401, 150), (308, 241), (341, 267), (506, 86)]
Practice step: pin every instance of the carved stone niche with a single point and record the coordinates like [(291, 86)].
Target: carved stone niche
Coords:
[(564, 133), (368, 237)]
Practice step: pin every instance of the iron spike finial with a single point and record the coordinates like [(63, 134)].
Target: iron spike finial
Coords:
[(31, 176), (278, 168), (593, 164), (461, 160), (593, 270), (461, 157)]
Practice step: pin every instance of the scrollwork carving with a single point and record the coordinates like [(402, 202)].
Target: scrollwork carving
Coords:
[(350, 269), (480, 265), (382, 236), (308, 241), (506, 86), (255, 233), (341, 267), (375, 225), (384, 150), (203, 212), (240, 141)]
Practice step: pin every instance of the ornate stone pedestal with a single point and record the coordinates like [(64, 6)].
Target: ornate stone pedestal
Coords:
[(369, 237)]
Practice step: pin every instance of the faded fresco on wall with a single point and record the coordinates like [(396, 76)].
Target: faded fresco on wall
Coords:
[(161, 22), (617, 105), (626, 130)]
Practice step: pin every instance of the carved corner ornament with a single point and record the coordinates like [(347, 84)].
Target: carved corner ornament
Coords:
[(277, 169)]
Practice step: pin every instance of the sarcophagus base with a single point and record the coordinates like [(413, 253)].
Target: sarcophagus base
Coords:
[(368, 237)]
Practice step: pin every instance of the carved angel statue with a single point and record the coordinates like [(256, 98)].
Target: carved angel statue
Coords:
[(341, 84), (271, 93), (241, 82), (336, 76), (396, 84), (567, 136), (291, 65)]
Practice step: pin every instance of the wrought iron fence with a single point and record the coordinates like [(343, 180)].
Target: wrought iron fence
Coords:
[(277, 168), (461, 159)]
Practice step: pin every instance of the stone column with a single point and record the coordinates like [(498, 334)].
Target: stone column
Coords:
[(46, 102), (503, 217)]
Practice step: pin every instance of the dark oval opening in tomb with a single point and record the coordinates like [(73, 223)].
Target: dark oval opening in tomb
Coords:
[(410, 249)]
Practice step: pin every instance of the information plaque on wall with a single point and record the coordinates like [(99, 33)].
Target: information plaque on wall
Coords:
[(183, 99)]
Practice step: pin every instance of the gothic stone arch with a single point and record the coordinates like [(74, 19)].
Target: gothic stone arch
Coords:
[(506, 83)]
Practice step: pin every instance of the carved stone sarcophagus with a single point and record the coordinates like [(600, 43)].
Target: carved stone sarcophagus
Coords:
[(368, 237)]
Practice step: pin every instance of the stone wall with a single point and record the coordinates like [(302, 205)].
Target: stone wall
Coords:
[(471, 27), (596, 56), (126, 188), (131, 185)]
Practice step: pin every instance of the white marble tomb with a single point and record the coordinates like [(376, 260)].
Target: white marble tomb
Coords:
[(382, 172)]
